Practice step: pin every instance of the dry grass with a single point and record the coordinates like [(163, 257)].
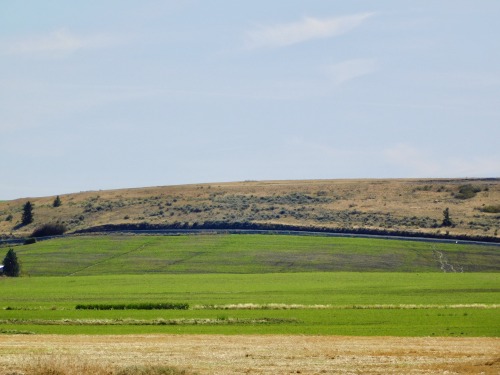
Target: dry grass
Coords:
[(388, 204), (250, 354), (283, 306), (74, 365)]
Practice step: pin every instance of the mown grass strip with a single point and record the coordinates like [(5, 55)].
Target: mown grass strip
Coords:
[(282, 306), (134, 306)]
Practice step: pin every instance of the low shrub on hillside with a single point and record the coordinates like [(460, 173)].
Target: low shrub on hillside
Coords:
[(467, 192), (49, 230), (493, 209)]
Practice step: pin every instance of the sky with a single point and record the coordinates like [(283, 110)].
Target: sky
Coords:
[(99, 95)]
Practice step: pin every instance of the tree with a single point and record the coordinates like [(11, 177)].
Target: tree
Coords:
[(446, 218), (27, 213), (11, 264), (57, 202)]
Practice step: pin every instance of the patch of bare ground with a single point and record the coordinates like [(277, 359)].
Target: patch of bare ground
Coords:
[(249, 354)]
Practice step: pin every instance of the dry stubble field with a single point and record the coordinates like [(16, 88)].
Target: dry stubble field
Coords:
[(251, 354)]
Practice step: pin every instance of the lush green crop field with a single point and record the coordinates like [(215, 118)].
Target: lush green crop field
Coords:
[(247, 254), (322, 288), (401, 304), (360, 322), (254, 284)]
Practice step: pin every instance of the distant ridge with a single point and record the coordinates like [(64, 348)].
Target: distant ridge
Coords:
[(378, 206)]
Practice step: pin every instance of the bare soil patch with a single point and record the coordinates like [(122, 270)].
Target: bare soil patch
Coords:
[(254, 354)]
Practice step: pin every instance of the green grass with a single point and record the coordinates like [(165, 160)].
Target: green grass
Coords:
[(247, 254), (401, 290), (55, 299), (427, 322), (289, 288)]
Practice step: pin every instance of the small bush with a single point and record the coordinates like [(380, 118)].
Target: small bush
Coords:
[(493, 209), (30, 241), (467, 192), (49, 230)]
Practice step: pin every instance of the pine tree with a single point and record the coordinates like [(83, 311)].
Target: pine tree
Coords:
[(446, 218), (57, 202), (11, 264), (27, 213)]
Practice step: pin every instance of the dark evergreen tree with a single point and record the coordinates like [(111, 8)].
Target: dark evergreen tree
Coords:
[(11, 264), (57, 202), (27, 213), (446, 218)]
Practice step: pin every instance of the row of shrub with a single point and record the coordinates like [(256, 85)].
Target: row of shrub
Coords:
[(135, 306), (53, 229), (223, 225)]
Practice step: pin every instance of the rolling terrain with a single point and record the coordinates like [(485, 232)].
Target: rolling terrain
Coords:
[(386, 205), (247, 254), (256, 303)]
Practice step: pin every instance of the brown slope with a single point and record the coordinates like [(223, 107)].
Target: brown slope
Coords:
[(389, 204)]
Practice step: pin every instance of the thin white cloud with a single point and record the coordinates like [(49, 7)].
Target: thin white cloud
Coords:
[(419, 163), (415, 161), (309, 28), (44, 102), (351, 69), (55, 44)]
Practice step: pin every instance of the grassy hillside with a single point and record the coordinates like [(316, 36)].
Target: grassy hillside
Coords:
[(247, 254), (407, 205)]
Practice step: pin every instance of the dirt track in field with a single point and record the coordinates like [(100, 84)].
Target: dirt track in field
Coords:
[(259, 354)]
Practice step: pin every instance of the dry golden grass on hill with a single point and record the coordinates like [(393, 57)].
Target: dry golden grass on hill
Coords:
[(393, 204)]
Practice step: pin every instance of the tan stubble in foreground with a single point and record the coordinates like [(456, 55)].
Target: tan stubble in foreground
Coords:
[(260, 354)]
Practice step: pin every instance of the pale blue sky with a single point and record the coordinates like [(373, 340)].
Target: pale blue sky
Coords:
[(114, 94)]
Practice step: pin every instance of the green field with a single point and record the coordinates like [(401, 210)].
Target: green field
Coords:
[(245, 284), (83, 256), (403, 304)]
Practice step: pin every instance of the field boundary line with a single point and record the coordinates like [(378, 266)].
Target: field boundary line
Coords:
[(276, 306)]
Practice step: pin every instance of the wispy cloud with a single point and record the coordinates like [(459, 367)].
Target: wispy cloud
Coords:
[(309, 28), (55, 44), (351, 69), (420, 163), (416, 162)]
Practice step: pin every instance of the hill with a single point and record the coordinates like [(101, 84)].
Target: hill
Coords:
[(410, 205), (247, 254)]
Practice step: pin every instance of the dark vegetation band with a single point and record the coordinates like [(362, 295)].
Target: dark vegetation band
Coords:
[(134, 306), (222, 225)]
